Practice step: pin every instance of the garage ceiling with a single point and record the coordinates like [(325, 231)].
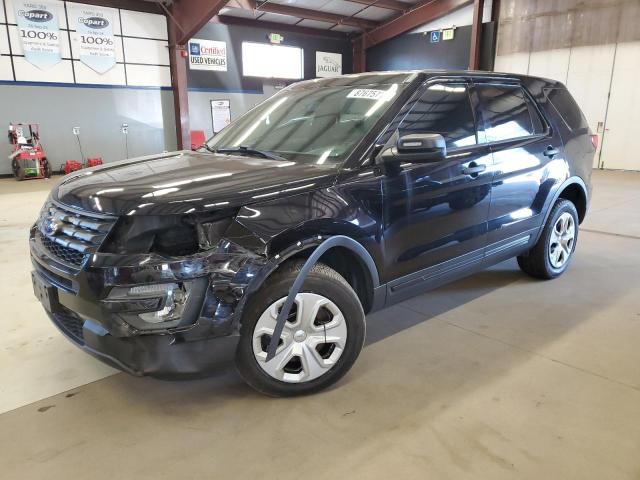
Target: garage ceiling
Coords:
[(347, 16)]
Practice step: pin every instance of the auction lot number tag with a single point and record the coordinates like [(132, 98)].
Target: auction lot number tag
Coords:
[(366, 93)]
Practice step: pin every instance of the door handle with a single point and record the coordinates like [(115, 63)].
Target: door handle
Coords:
[(474, 169), (551, 152)]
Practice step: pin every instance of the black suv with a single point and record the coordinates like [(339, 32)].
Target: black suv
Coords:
[(332, 199)]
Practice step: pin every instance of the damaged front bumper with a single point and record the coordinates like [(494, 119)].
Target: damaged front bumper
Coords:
[(80, 302)]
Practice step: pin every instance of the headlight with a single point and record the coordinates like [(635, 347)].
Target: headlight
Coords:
[(170, 236)]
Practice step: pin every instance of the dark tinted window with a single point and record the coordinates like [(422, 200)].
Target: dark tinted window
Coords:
[(538, 124), (567, 108), (443, 109), (506, 109)]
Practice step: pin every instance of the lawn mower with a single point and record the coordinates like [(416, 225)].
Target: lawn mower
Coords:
[(28, 160)]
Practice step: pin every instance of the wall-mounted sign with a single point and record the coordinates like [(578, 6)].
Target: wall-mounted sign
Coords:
[(265, 60), (94, 39), (328, 64), (39, 32), (448, 34), (220, 114), (207, 55), (275, 38), (435, 36)]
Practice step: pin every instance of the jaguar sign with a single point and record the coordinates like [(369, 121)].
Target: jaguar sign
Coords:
[(328, 64)]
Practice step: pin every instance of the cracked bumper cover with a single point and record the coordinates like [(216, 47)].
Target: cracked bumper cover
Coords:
[(205, 339)]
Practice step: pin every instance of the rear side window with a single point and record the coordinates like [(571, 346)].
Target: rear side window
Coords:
[(508, 112), (443, 108), (568, 109)]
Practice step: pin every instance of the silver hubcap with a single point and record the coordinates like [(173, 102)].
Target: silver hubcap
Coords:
[(562, 240), (312, 341)]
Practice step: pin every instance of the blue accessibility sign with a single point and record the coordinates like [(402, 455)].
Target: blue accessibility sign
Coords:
[(435, 37)]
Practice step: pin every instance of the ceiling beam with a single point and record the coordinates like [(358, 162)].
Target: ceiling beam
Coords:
[(418, 15), (390, 4), (191, 15), (242, 4), (308, 14), (278, 27)]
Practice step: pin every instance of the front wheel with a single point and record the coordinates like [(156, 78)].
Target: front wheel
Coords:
[(550, 257), (322, 338), (47, 168)]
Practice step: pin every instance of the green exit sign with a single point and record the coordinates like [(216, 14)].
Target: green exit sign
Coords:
[(275, 38), (448, 34)]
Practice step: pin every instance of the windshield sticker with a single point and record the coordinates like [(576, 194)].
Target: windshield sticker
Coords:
[(366, 93)]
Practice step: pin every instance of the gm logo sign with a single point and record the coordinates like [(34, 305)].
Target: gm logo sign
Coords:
[(194, 49)]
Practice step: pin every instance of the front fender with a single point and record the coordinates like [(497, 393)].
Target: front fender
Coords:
[(319, 245)]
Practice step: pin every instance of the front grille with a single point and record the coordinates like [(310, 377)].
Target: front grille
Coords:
[(66, 254), (71, 236), (71, 325)]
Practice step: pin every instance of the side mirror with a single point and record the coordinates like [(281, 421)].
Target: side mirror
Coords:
[(416, 148)]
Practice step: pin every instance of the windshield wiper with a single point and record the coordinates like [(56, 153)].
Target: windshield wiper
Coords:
[(248, 152)]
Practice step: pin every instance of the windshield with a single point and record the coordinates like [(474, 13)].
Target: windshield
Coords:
[(319, 125)]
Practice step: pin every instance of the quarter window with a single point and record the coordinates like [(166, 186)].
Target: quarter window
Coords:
[(508, 113), (443, 108)]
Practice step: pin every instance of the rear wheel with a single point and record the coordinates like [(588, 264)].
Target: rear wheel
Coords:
[(323, 334), (550, 257), (18, 171)]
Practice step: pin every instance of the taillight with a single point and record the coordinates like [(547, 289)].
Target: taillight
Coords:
[(594, 141)]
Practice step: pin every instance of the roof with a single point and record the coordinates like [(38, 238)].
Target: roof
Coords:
[(405, 76), (346, 16)]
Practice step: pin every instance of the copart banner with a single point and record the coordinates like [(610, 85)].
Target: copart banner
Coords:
[(94, 38), (39, 32)]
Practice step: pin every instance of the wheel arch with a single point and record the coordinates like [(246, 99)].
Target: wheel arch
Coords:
[(336, 251), (356, 267), (576, 193), (575, 190)]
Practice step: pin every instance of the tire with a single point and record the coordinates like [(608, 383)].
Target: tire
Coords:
[(19, 172), (541, 261), (47, 169), (324, 290)]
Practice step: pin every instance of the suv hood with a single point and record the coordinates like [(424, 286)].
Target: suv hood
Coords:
[(187, 182)]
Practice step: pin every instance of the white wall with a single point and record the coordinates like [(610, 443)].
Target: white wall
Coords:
[(459, 18), (136, 91), (142, 53), (602, 80)]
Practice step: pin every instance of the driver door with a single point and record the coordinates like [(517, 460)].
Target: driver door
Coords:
[(436, 214)]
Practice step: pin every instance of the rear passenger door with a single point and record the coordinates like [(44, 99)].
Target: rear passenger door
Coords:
[(526, 158)]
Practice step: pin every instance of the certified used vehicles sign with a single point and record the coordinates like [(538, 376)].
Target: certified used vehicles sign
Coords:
[(207, 55)]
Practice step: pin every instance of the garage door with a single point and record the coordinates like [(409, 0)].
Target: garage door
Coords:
[(622, 127)]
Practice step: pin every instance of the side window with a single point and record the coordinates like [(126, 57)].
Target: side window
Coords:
[(568, 109), (508, 112), (443, 108)]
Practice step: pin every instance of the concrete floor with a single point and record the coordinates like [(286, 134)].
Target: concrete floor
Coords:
[(495, 376)]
